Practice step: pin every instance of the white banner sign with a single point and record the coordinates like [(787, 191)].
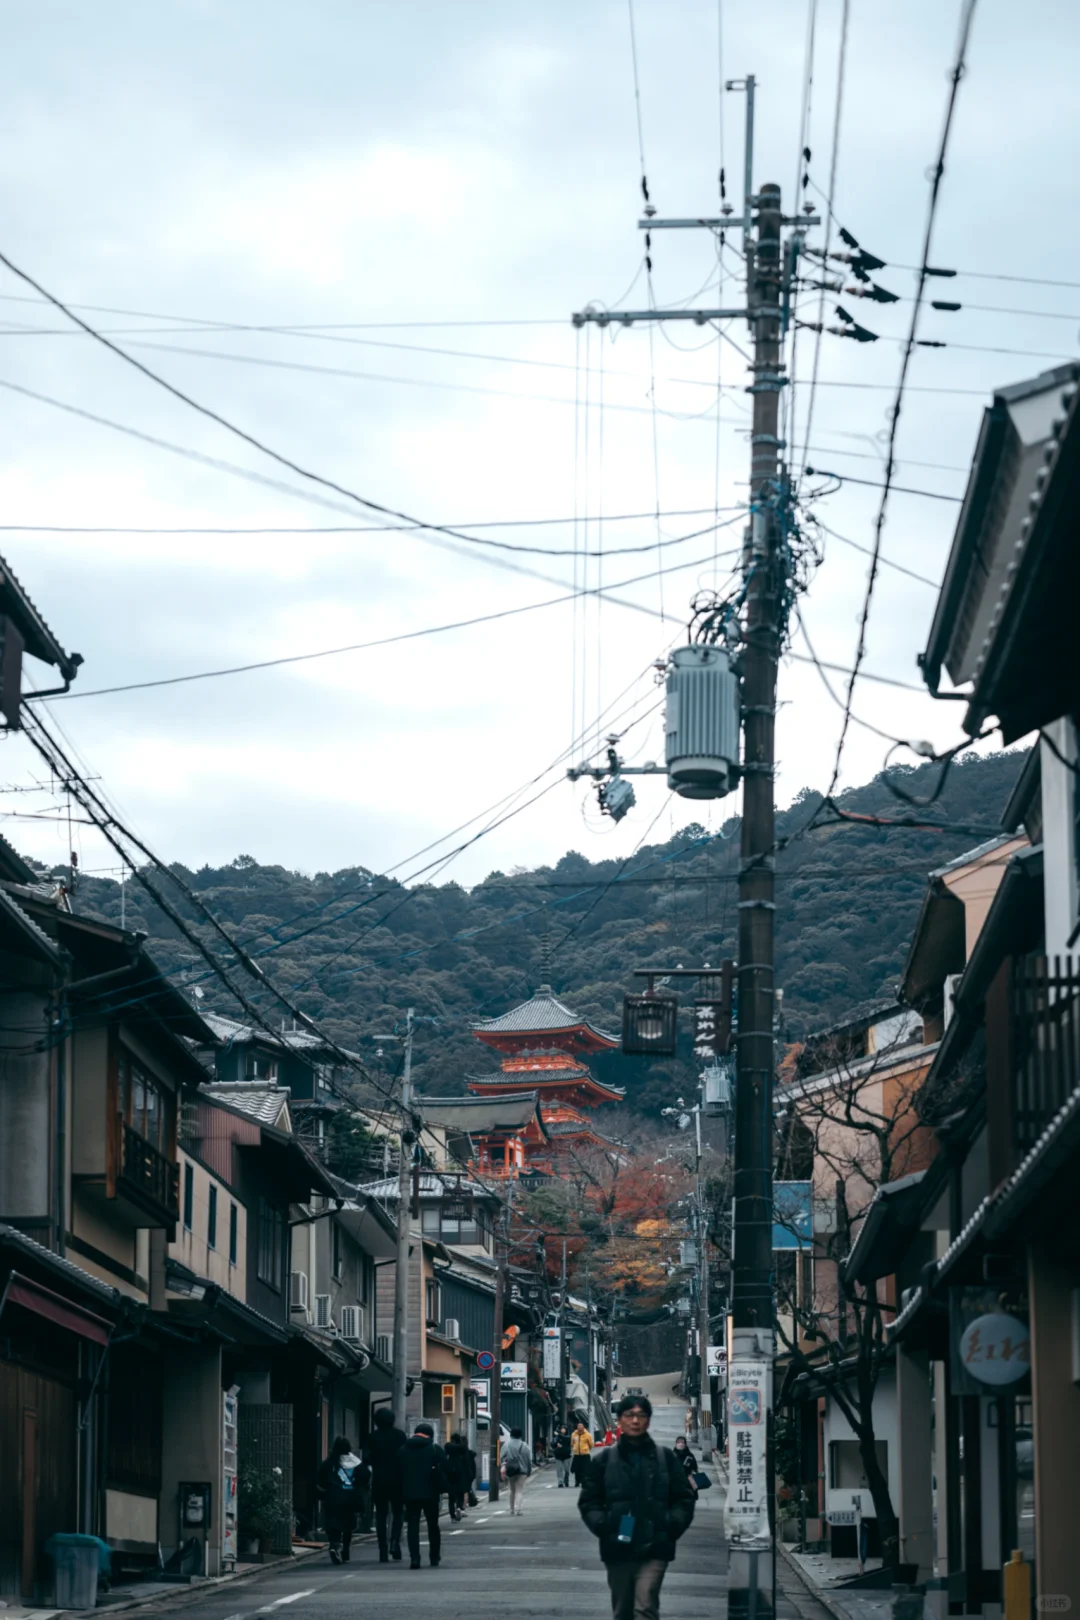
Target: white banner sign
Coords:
[(514, 1377), (716, 1360), (552, 1349), (482, 1389), (746, 1512)]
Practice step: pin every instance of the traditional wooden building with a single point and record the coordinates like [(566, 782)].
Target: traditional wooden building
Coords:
[(542, 1045)]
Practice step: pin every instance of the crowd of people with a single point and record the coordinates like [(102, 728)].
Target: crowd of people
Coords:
[(637, 1498)]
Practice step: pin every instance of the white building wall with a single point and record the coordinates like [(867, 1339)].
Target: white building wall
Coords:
[(835, 1426), (1059, 791)]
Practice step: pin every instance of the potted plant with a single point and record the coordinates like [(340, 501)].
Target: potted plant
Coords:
[(262, 1509)]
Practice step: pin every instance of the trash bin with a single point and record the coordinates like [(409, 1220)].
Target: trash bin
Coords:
[(77, 1560)]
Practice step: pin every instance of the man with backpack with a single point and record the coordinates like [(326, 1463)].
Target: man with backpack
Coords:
[(424, 1480), (517, 1465), (637, 1501)]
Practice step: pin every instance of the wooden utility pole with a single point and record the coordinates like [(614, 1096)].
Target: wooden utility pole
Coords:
[(404, 1232), (495, 1403)]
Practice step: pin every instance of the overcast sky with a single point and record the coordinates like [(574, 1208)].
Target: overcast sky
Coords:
[(436, 188)]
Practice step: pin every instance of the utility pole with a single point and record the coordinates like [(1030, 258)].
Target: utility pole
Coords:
[(404, 1232), (704, 1398), (502, 1266), (562, 1338), (495, 1403), (749, 1516), (748, 1513)]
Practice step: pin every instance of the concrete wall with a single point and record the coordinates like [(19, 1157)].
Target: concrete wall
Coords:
[(191, 1247), (977, 884), (837, 1427), (26, 1135), (87, 1082), (191, 1446), (1056, 1427)]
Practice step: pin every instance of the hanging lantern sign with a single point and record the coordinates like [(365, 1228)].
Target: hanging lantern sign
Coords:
[(996, 1348), (649, 1024)]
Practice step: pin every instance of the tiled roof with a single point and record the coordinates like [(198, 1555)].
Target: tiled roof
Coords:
[(431, 1186), (542, 1012), (234, 1033), (264, 1103), (64, 1267), (480, 1113), (40, 640), (543, 1077), (27, 925)]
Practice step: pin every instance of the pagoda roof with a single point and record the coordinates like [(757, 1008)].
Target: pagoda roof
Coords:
[(481, 1116), (579, 1085), (543, 1013)]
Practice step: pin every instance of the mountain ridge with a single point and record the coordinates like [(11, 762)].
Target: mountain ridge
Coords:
[(353, 950)]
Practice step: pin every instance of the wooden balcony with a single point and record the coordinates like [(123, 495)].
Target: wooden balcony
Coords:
[(1046, 1043), (146, 1178)]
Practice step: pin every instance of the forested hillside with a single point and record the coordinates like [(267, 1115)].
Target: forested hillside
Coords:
[(354, 949)]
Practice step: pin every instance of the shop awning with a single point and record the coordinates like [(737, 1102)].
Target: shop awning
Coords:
[(64, 1312)]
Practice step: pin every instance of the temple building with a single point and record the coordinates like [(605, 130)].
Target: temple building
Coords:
[(542, 1045)]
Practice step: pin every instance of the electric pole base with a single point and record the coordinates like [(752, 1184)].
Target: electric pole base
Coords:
[(750, 1594)]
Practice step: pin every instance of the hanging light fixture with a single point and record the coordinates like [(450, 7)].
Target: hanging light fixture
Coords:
[(649, 1024)]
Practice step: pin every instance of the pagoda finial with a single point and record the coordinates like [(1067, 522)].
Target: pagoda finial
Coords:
[(545, 958)]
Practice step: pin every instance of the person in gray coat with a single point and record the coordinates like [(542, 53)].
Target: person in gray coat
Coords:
[(517, 1465)]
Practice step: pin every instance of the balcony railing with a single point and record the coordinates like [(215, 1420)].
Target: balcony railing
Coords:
[(148, 1176), (1046, 1057)]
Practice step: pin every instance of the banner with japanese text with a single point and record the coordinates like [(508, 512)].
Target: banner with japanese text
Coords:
[(746, 1511)]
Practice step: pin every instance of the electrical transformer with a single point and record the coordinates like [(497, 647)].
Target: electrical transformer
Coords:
[(702, 723)]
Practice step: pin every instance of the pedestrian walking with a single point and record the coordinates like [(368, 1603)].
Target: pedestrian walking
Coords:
[(337, 1483), (424, 1480), (637, 1501), (581, 1444), (560, 1450), (382, 1454), (461, 1471), (517, 1465), (687, 1460)]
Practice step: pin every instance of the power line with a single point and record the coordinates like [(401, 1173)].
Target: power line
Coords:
[(845, 19), (230, 427), (872, 483), (886, 562), (388, 528), (967, 14), (381, 641)]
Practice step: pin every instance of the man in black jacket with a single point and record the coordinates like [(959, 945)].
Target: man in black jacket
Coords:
[(637, 1500), (424, 1479), (382, 1455)]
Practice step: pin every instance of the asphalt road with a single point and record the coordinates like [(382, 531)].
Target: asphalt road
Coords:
[(494, 1567)]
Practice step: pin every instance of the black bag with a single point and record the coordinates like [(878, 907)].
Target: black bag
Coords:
[(702, 1481), (473, 1499)]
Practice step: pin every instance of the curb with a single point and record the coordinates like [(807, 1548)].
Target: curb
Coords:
[(816, 1592), (177, 1596)]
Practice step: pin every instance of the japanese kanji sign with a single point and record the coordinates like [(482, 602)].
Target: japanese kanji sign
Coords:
[(746, 1512)]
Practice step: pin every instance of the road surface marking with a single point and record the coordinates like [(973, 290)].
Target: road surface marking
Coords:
[(481, 1521), (291, 1598), (455, 1532)]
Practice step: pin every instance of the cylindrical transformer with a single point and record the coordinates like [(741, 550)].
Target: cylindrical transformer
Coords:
[(702, 723)]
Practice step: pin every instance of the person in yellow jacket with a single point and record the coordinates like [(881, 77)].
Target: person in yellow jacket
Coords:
[(581, 1444)]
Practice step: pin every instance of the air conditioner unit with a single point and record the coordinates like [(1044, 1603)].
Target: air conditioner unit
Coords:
[(452, 1328), (382, 1349), (298, 1294), (352, 1323), (323, 1319)]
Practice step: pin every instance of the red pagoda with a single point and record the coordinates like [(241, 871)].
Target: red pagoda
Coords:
[(542, 1044)]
